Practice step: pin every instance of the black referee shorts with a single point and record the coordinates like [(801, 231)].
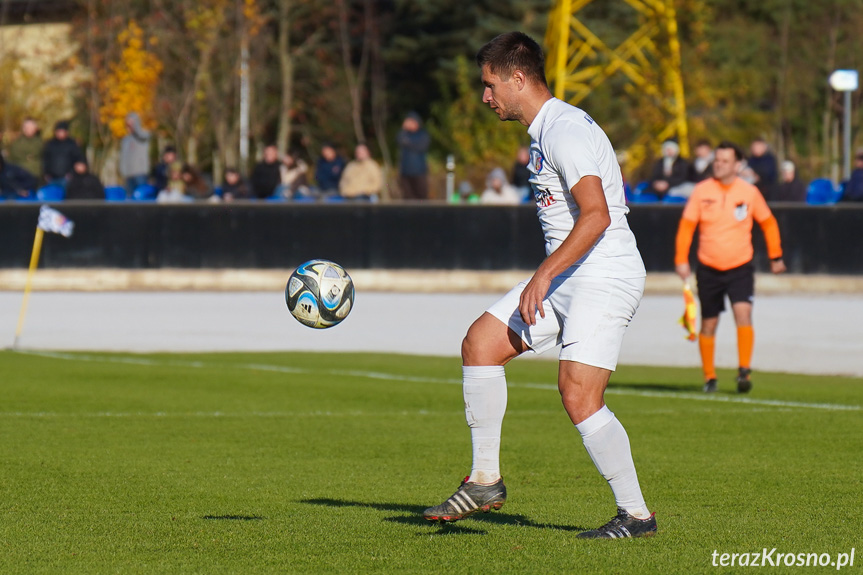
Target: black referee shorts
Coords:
[(713, 285)]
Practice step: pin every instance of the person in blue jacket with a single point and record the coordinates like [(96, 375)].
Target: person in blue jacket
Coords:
[(413, 141)]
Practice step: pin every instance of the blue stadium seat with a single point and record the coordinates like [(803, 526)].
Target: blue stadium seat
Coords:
[(51, 193), (673, 200), (639, 196), (822, 192), (115, 194), (145, 193), (334, 199), (643, 198)]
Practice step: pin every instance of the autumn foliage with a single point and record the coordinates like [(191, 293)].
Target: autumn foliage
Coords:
[(130, 84)]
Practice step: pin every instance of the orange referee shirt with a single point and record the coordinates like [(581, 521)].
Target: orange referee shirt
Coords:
[(724, 218)]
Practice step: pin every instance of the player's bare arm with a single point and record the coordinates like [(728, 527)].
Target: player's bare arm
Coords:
[(593, 220)]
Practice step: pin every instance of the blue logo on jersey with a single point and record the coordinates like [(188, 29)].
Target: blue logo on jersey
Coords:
[(588, 118), (538, 164)]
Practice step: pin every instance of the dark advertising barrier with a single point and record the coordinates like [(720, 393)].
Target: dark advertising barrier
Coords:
[(434, 236)]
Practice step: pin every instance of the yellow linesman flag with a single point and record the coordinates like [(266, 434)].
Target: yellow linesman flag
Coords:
[(689, 313)]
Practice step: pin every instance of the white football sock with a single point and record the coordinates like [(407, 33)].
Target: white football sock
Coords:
[(484, 406), (608, 446)]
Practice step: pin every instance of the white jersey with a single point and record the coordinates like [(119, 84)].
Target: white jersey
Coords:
[(566, 145)]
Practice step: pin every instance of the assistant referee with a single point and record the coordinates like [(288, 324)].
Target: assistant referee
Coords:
[(723, 208)]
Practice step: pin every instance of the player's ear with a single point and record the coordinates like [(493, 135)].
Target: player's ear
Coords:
[(520, 79)]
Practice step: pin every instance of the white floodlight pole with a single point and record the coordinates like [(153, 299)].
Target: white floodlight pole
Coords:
[(244, 106), (846, 168), (845, 81)]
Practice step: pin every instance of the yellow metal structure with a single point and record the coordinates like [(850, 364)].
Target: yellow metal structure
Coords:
[(579, 61)]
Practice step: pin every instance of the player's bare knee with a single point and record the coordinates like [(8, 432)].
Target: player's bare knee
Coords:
[(474, 350), (484, 346), (580, 408), (571, 393), (581, 397), (467, 350)]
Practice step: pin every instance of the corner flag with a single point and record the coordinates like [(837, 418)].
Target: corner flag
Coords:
[(50, 220)]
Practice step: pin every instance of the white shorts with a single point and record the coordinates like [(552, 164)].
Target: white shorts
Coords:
[(587, 315)]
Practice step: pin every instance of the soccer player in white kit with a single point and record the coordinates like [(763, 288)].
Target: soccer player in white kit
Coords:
[(582, 296)]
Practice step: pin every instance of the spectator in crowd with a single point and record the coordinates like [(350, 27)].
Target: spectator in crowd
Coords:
[(701, 167), (195, 185), (854, 187), (84, 185), (746, 173), (498, 190), (15, 181), (329, 170), (234, 186), (791, 188), (59, 155), (135, 153), (465, 194), (413, 142), (762, 162), (160, 173), (363, 178), (175, 190), (294, 177), (521, 173), (26, 151), (670, 173), (266, 176)]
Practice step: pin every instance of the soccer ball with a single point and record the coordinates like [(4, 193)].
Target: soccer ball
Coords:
[(320, 294)]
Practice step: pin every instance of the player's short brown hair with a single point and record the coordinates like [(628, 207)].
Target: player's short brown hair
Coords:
[(513, 51)]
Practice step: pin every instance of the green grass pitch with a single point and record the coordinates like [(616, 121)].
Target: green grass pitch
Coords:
[(317, 463)]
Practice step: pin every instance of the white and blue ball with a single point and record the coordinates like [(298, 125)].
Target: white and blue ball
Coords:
[(320, 294)]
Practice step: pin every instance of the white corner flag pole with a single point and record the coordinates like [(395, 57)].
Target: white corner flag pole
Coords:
[(34, 262)]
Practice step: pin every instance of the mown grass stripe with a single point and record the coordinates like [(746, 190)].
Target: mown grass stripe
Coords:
[(748, 401)]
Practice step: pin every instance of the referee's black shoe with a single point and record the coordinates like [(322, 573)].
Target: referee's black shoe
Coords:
[(744, 382), (710, 385)]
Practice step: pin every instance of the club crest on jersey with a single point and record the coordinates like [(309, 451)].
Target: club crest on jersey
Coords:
[(538, 163), (741, 210)]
